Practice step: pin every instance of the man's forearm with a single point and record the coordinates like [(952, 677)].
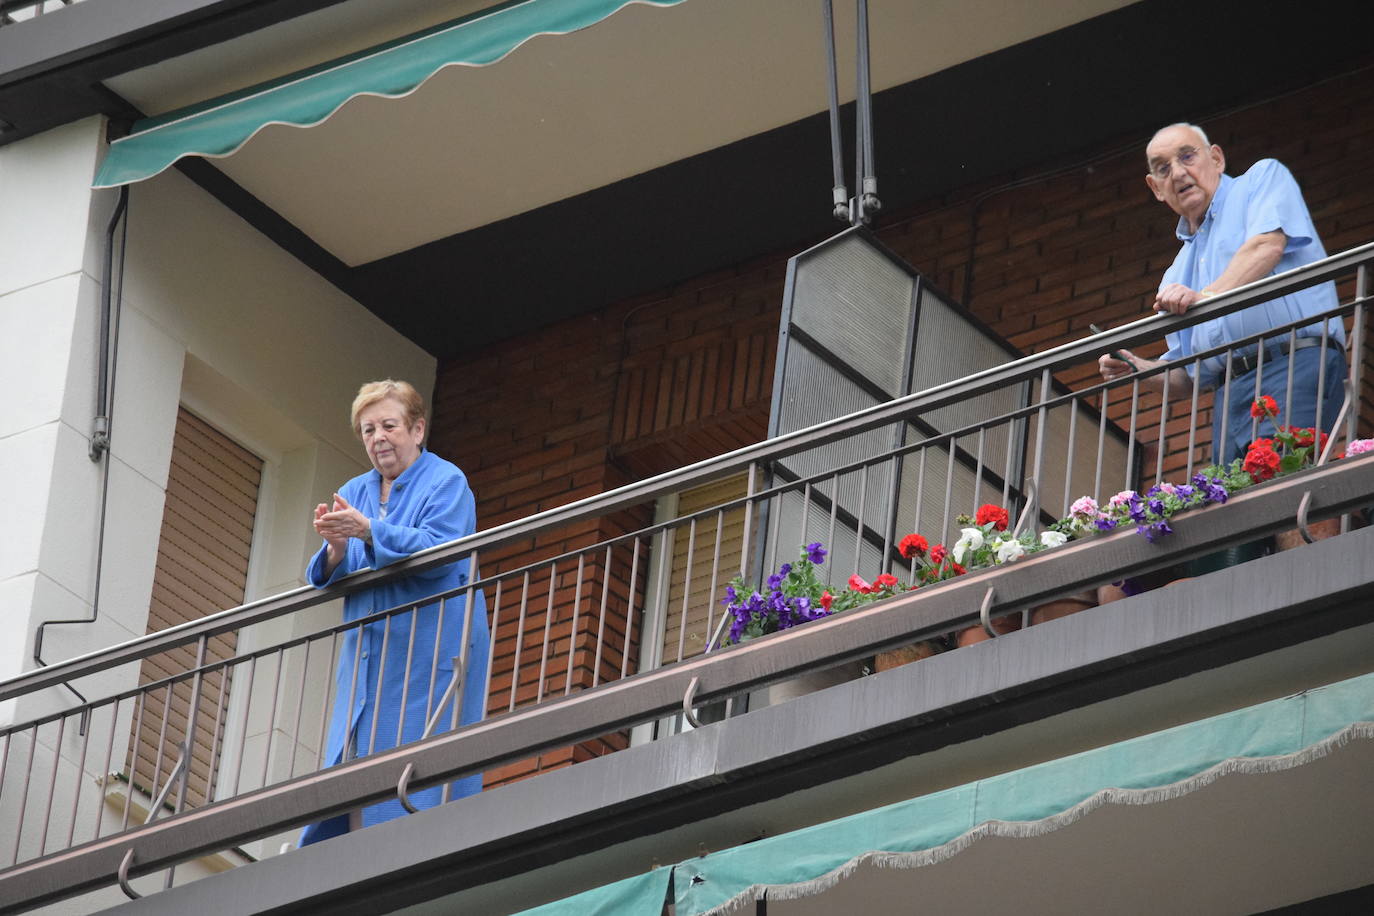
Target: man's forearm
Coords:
[(1180, 382), (1254, 260)]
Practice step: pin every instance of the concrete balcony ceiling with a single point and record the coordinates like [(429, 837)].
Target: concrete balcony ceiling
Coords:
[(561, 115)]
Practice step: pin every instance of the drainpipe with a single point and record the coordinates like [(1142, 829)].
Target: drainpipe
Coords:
[(100, 427), (100, 431)]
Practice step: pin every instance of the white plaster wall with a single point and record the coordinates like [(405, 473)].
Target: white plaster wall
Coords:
[(214, 316)]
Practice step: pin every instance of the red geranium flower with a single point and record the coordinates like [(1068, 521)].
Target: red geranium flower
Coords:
[(859, 584), (937, 554), (990, 513), (1303, 436), (1264, 406), (826, 599), (958, 570), (886, 580), (1262, 463), (1261, 444), (913, 546)]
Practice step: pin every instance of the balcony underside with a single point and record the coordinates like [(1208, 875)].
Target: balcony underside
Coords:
[(1266, 629)]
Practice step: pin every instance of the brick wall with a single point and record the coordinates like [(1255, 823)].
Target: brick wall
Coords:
[(683, 373)]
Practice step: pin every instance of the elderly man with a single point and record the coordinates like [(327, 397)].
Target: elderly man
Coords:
[(1235, 231)]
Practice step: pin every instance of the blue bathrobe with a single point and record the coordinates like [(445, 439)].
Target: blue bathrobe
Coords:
[(429, 504)]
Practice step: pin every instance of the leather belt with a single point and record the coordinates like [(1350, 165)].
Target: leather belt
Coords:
[(1245, 364)]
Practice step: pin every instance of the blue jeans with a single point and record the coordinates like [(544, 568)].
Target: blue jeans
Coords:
[(1240, 394)]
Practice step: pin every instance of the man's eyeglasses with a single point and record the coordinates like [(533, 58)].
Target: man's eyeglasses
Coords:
[(1186, 157)]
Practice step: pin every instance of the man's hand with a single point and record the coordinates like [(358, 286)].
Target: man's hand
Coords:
[(1177, 299), (1112, 368)]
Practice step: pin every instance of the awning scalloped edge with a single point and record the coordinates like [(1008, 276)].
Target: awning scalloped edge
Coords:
[(1027, 829), (114, 172)]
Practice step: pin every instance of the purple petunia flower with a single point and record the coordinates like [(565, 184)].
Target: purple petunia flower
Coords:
[(815, 553), (1105, 523)]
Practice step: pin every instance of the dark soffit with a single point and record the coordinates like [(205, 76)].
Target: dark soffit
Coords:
[(1107, 79)]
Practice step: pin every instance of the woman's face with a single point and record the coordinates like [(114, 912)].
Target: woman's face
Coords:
[(391, 445)]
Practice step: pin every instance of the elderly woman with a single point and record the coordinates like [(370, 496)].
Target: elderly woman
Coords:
[(390, 682)]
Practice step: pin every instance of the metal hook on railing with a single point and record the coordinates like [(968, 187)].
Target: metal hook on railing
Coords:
[(1303, 505), (403, 788), (687, 712), (1031, 504), (124, 875), (984, 613), (156, 807)]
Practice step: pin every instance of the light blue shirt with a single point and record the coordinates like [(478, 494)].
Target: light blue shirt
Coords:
[(1262, 200)]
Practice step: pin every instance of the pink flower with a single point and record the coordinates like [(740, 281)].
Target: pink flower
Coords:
[(1084, 505), (859, 584), (1360, 447), (1122, 498)]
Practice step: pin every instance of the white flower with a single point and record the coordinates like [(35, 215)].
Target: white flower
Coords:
[(1052, 538), (970, 539), (1009, 550)]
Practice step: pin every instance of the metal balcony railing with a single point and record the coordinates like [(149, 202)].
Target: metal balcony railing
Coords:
[(579, 607), (15, 11)]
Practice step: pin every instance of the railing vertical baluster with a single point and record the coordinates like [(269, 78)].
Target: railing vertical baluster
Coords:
[(949, 485), (1073, 443), (1292, 369), (1356, 370), (1006, 470), (24, 797), (405, 679), (630, 609), (920, 497), (859, 522), (434, 659), (548, 629), (572, 633), (775, 528), (1319, 419), (1219, 446), (602, 614), (52, 785), (139, 706), (326, 708), (1127, 483), (491, 647), (87, 712), (161, 745), (212, 776), (1101, 443), (1033, 498), (519, 638), (272, 719), (830, 533), (715, 569), (295, 726), (1193, 416), (894, 490), (247, 718), (104, 778), (192, 714), (687, 587), (978, 468), (1162, 442)]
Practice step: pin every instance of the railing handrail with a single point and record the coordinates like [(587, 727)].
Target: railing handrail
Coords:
[(1136, 332), (440, 758)]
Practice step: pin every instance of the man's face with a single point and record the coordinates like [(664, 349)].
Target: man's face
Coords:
[(1184, 172)]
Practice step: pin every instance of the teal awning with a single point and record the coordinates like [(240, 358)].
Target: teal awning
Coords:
[(1267, 738), (219, 127)]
